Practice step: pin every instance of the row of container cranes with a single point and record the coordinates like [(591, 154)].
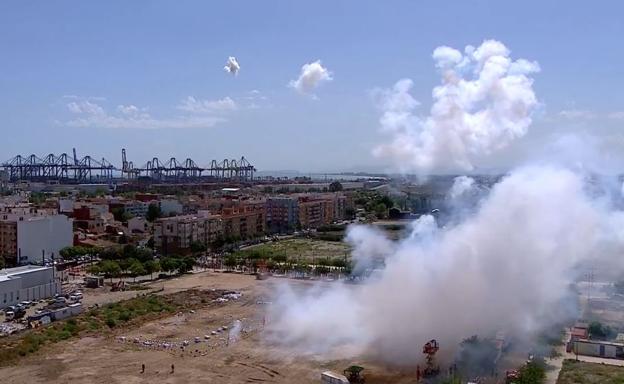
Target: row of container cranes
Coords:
[(72, 169)]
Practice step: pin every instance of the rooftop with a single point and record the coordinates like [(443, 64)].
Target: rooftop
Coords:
[(9, 273)]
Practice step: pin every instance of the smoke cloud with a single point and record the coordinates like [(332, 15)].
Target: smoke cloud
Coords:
[(485, 102), (461, 185), (508, 267), (312, 75), (232, 66), (506, 264)]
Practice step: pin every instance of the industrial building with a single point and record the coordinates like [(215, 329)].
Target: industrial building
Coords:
[(27, 283), (597, 348)]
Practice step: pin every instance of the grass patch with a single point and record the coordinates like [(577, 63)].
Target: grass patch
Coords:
[(305, 249), (579, 372)]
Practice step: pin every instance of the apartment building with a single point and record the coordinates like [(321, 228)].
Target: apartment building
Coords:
[(244, 219), (316, 210), (178, 233), (282, 214)]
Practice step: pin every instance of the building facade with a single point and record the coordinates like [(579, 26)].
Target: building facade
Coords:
[(27, 283), (244, 220), (28, 239), (282, 214), (178, 233)]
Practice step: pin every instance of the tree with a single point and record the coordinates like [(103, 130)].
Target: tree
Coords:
[(335, 186), (230, 262), (136, 269), (381, 211), (110, 268), (387, 201), (168, 264), (350, 212), (477, 356), (185, 264), (198, 247), (144, 254), (120, 214), (153, 212), (110, 254), (599, 331), (534, 372), (129, 251), (151, 266)]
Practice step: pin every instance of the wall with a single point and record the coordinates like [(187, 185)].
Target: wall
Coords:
[(43, 236)]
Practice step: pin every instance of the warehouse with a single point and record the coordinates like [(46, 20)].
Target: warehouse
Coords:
[(598, 348), (27, 283)]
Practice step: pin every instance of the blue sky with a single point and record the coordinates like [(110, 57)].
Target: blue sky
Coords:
[(153, 55)]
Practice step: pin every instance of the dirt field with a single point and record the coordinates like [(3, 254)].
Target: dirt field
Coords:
[(224, 357)]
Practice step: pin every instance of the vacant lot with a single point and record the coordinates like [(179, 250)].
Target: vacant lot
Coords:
[(307, 249), (206, 342), (578, 372)]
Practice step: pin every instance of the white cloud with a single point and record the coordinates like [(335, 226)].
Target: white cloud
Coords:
[(232, 66), (85, 107), (585, 114), (193, 105), (128, 110), (92, 115), (312, 75), (577, 114), (619, 115)]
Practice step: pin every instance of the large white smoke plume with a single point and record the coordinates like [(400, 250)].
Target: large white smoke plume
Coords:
[(485, 101), (506, 266)]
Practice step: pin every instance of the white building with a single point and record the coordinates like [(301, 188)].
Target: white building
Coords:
[(27, 283), (42, 237)]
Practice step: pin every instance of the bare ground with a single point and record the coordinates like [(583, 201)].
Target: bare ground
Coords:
[(219, 359)]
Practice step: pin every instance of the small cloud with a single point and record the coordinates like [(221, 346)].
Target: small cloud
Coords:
[(619, 115), (128, 110), (193, 105), (85, 107), (312, 75), (232, 66), (577, 114), (92, 115)]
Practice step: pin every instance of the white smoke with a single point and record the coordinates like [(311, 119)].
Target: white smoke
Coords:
[(461, 185), (235, 331), (370, 246), (508, 267), (485, 102), (232, 66), (312, 75)]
